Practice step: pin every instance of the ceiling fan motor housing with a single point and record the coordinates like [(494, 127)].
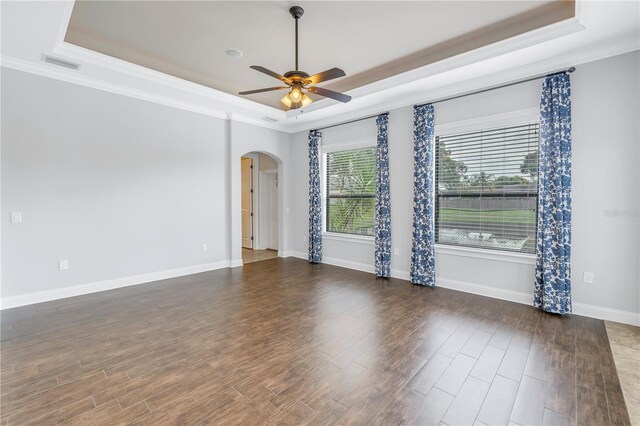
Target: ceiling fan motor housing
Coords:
[(296, 76)]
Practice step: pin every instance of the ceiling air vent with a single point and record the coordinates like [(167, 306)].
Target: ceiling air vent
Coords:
[(60, 62), (269, 119)]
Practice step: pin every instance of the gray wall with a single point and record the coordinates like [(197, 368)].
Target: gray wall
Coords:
[(119, 187), (606, 150), (122, 187), (605, 177)]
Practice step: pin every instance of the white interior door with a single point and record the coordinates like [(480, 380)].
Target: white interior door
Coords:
[(273, 211), (247, 204)]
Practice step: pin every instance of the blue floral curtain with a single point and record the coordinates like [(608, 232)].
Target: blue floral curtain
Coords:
[(383, 206), (552, 290), (423, 268), (315, 199)]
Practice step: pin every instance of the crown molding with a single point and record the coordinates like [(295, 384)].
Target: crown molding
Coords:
[(70, 76), (119, 66), (521, 41), (388, 103), (51, 71), (64, 22), (252, 109), (545, 49)]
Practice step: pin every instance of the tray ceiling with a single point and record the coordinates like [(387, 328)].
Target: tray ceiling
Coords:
[(371, 41)]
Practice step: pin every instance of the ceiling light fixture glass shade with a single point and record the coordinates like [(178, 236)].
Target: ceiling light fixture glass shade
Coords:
[(286, 101), (306, 100), (296, 99), (295, 94)]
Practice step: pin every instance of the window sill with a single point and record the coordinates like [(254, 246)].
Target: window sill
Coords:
[(495, 255), (360, 239)]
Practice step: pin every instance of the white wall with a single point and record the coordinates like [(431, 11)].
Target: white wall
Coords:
[(605, 177), (126, 190)]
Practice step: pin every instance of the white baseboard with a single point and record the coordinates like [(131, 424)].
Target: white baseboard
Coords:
[(337, 262), (583, 309), (482, 290), (299, 254), (400, 274), (348, 264), (615, 315), (235, 263), (77, 290)]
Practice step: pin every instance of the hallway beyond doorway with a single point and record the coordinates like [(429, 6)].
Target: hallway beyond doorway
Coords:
[(250, 256)]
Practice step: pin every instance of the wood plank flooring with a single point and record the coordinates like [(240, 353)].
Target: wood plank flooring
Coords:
[(285, 342)]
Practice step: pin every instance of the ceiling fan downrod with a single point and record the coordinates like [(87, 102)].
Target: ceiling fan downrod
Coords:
[(296, 12)]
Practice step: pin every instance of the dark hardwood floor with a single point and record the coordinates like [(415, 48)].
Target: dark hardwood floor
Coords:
[(285, 342)]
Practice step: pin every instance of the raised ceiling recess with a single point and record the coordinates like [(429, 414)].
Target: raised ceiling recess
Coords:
[(370, 41)]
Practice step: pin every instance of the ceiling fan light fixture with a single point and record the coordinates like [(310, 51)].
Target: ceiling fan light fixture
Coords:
[(286, 101), (306, 100), (293, 102), (296, 94)]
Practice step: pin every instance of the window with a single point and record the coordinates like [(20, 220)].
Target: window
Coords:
[(487, 189), (351, 189)]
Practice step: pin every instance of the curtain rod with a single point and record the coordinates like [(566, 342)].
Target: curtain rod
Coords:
[(488, 89), (513, 83), (350, 121)]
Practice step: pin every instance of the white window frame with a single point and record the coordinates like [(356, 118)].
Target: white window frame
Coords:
[(513, 118), (368, 142)]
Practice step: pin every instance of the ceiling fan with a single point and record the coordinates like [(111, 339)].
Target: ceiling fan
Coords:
[(299, 81)]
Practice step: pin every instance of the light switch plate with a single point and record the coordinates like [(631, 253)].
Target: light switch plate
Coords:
[(587, 278), (16, 217), (63, 265), (205, 247)]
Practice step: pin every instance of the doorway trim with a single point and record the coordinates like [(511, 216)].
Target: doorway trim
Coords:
[(254, 199), (235, 246), (263, 198)]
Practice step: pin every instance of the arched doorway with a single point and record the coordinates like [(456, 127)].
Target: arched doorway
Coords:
[(260, 208)]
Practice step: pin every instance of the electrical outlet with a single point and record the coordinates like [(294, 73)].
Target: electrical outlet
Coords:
[(63, 265), (16, 217), (587, 278), (205, 247), (396, 251)]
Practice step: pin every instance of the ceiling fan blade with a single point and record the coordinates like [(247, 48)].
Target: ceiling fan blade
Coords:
[(329, 74), (330, 94), (271, 73), (268, 89)]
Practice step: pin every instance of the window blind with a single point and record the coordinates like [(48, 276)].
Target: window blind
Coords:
[(487, 188), (351, 187)]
